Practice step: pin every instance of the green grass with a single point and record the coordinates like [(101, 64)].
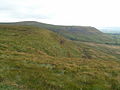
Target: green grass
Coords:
[(38, 59), (77, 33), (116, 38), (31, 39), (28, 73)]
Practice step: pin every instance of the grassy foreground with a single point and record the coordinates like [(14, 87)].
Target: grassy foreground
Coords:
[(38, 59)]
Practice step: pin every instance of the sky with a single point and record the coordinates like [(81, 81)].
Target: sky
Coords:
[(97, 13)]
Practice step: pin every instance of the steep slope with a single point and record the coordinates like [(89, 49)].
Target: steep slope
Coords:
[(79, 33), (34, 58)]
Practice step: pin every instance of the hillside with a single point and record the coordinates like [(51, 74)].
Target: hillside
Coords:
[(79, 33), (33, 39), (33, 58)]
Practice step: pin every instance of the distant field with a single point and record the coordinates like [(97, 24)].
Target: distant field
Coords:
[(116, 38)]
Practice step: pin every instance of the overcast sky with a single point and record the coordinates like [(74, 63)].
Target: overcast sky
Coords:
[(98, 13)]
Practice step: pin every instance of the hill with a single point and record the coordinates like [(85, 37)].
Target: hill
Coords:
[(31, 39), (79, 33), (33, 58)]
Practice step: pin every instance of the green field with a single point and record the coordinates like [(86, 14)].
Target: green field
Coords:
[(116, 38), (33, 58)]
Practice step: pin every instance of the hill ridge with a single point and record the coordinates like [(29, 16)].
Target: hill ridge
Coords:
[(78, 33)]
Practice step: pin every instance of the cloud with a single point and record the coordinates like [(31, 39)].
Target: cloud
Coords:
[(22, 9), (64, 12)]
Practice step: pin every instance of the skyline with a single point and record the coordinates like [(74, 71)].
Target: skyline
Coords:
[(97, 13)]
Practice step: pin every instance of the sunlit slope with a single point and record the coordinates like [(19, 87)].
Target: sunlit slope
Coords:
[(79, 33)]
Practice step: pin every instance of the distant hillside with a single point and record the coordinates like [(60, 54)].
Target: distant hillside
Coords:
[(79, 33)]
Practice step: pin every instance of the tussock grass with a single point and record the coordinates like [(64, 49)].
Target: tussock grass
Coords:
[(35, 59)]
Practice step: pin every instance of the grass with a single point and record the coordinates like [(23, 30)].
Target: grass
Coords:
[(116, 37), (77, 33), (38, 59), (34, 72)]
